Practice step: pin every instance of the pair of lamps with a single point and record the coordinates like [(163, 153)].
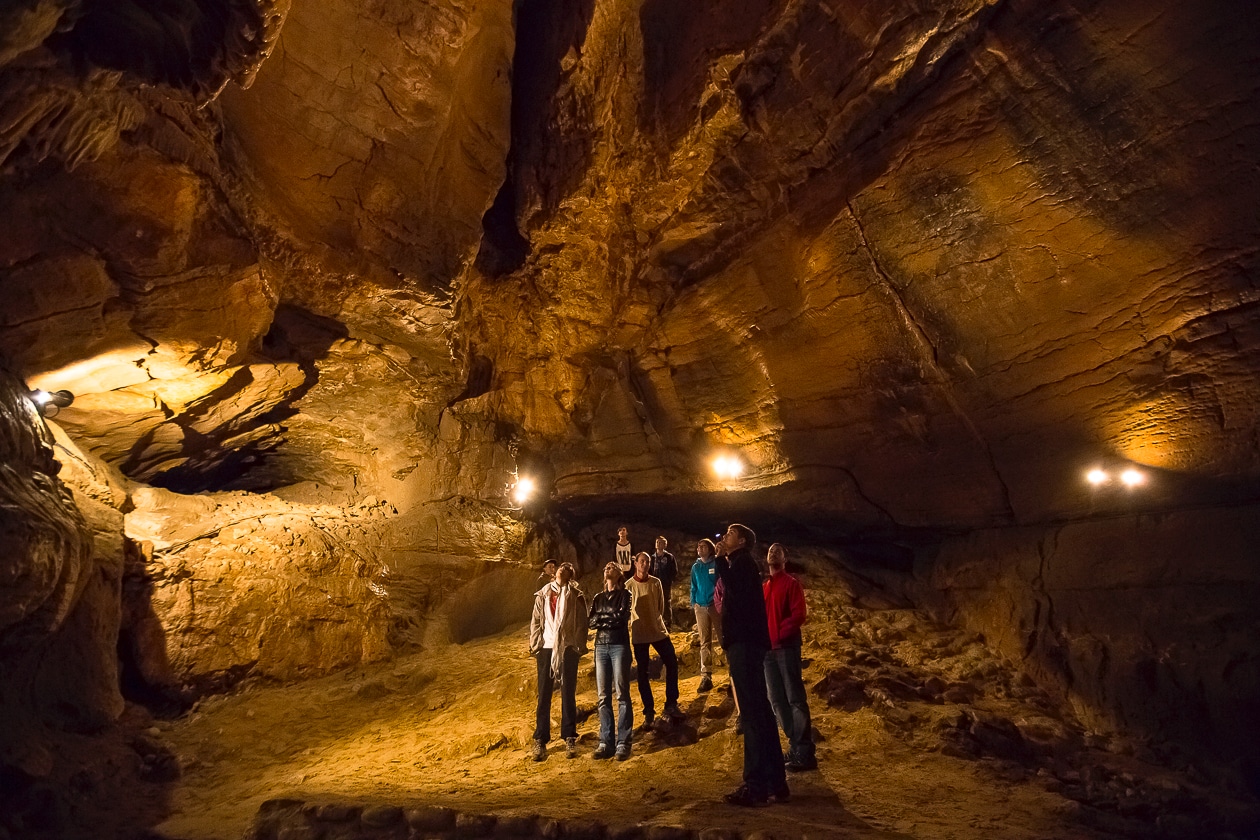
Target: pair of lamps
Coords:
[(1129, 477)]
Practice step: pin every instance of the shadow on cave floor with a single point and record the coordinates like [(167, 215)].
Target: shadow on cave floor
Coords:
[(922, 733)]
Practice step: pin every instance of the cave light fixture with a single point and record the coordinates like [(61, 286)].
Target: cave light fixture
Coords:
[(727, 466), (523, 490), (1130, 477), (50, 403)]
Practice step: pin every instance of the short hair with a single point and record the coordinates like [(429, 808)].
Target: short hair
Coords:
[(644, 555), (569, 566), (749, 535), (662, 539), (549, 562), (709, 543)]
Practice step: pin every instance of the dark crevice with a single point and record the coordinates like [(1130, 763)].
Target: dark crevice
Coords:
[(546, 32)]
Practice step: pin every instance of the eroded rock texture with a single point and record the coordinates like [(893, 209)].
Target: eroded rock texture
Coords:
[(919, 266), (60, 598)]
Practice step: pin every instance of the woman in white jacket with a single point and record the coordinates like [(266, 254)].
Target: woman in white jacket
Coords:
[(557, 638)]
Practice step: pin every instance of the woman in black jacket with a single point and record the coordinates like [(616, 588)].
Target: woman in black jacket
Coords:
[(610, 619)]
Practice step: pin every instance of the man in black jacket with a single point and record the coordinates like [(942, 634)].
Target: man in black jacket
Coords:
[(610, 619), (665, 569), (746, 638)]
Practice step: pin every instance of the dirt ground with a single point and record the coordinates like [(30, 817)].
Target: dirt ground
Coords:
[(906, 714)]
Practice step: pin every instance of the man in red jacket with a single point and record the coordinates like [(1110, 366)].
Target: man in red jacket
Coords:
[(785, 613)]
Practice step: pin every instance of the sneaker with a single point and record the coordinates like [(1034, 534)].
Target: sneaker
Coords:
[(780, 796), (603, 751), (672, 711), (539, 751), (746, 797), (570, 747), (623, 752), (706, 684)]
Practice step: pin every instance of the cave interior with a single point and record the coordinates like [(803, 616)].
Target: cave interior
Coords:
[(323, 325)]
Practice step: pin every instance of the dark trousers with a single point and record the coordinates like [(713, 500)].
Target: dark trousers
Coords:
[(668, 614), (787, 696), (764, 772), (568, 695), (669, 659)]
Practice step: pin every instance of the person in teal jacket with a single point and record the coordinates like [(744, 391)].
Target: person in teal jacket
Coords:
[(703, 581)]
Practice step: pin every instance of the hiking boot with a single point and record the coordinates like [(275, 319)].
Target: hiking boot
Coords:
[(649, 718), (603, 751), (780, 796), (706, 684), (746, 797), (672, 711), (539, 751), (801, 765), (623, 752), (570, 747)]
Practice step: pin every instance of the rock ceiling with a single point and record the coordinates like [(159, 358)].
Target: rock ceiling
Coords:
[(883, 252)]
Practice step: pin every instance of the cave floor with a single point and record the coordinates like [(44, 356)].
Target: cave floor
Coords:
[(451, 727)]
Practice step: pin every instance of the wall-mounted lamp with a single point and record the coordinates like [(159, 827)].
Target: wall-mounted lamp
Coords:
[(1130, 477), (728, 466), (523, 490), (50, 403)]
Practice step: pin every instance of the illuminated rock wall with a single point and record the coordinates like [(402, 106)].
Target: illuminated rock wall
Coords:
[(59, 600), (1147, 624)]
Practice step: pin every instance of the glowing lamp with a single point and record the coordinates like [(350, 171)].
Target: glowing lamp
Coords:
[(728, 466), (1097, 477), (1132, 478), (50, 403), (523, 490)]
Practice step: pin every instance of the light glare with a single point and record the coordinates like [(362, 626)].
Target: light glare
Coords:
[(1132, 478), (1096, 477), (523, 490), (728, 466)]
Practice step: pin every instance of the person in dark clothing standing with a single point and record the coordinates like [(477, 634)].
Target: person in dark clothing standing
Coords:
[(665, 569), (746, 639), (610, 619)]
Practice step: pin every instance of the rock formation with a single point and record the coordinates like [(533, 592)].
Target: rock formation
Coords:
[(326, 279)]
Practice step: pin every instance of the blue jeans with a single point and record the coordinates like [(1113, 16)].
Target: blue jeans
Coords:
[(612, 675), (787, 696)]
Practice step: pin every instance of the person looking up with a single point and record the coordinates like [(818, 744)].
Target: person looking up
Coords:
[(746, 640), (557, 638), (785, 613), (665, 568), (647, 630), (610, 618), (703, 582)]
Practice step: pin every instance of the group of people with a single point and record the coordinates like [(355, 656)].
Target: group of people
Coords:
[(760, 625)]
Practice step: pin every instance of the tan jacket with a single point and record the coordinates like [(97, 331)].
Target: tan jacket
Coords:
[(575, 629), (647, 611)]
